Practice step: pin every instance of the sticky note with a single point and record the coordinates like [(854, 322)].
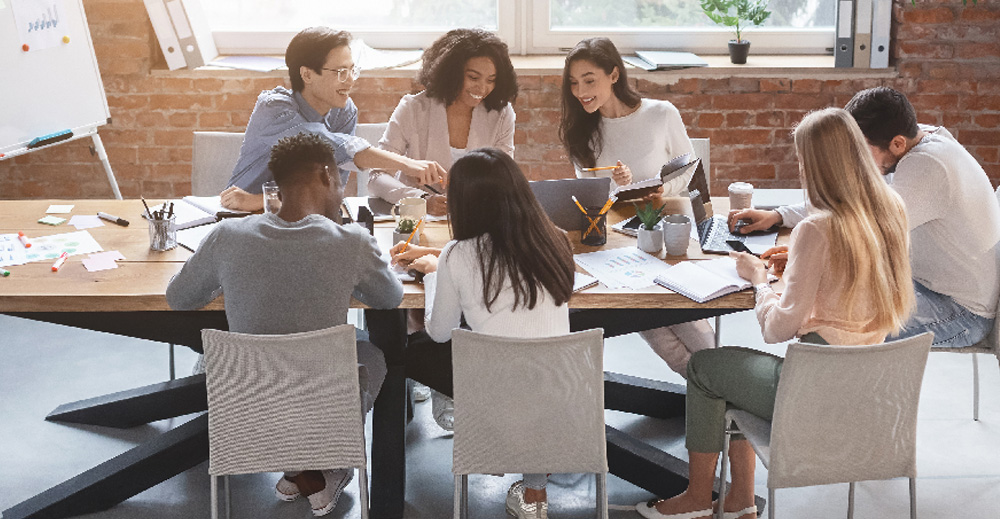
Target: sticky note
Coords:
[(59, 208), (52, 220), (85, 221)]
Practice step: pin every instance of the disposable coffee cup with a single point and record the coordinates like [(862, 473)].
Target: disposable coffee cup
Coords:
[(740, 196)]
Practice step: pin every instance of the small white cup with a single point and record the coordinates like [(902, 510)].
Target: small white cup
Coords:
[(740, 196), (411, 207), (272, 197), (676, 234)]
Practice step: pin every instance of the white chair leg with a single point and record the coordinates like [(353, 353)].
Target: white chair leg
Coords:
[(850, 500), (975, 387), (214, 484), (363, 490), (722, 472), (913, 498), (770, 503), (229, 500), (602, 495), (457, 504), (718, 331)]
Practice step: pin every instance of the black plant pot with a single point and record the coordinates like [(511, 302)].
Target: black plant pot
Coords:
[(738, 51)]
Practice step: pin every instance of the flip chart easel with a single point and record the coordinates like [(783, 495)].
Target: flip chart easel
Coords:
[(51, 90)]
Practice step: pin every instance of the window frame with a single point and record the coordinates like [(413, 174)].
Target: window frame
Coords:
[(518, 25)]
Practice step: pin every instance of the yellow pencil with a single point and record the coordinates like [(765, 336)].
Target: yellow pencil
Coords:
[(412, 234), (602, 168), (593, 223)]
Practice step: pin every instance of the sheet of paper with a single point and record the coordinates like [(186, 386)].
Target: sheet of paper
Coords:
[(12, 252), (627, 267), (45, 248), (93, 264), (191, 238), (760, 243), (113, 255), (51, 220), (40, 23), (85, 221), (59, 209)]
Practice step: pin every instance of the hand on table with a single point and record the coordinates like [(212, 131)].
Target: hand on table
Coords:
[(239, 200), (758, 220), (749, 267), (777, 258), (437, 205)]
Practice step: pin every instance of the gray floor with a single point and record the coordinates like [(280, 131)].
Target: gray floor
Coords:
[(42, 366)]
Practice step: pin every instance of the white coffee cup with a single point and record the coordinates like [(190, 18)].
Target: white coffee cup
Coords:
[(740, 196), (676, 234), (411, 207)]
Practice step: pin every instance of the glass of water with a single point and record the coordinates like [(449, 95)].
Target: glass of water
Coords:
[(272, 197)]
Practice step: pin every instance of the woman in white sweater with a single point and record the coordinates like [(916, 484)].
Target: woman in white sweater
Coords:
[(509, 271), (469, 84), (606, 123)]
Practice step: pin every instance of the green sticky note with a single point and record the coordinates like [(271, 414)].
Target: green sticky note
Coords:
[(51, 220)]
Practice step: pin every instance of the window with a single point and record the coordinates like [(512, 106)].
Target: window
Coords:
[(528, 26)]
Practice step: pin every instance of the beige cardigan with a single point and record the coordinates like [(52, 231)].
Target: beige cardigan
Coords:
[(418, 129)]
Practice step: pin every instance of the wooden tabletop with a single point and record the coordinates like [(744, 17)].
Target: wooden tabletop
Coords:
[(140, 281)]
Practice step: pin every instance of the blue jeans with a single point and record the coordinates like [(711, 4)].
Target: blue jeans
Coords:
[(954, 326)]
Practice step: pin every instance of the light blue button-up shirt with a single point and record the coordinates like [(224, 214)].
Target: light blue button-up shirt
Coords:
[(280, 113)]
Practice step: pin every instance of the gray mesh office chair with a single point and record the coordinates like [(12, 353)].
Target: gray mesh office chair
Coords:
[(842, 414), (257, 418), (990, 345), (561, 431)]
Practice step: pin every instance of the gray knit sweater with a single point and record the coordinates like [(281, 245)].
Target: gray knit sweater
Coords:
[(285, 277)]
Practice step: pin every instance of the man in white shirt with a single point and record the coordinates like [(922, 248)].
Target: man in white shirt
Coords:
[(953, 215)]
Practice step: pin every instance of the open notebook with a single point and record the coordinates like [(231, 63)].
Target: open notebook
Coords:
[(705, 280), (192, 211)]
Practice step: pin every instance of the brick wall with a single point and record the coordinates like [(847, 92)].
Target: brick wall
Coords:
[(947, 56)]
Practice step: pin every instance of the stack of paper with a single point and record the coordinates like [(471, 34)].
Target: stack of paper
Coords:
[(627, 267)]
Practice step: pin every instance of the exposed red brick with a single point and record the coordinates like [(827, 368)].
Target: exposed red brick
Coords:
[(710, 120), (928, 16)]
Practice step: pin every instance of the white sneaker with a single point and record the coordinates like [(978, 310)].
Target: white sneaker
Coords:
[(324, 501), (286, 490), (444, 411), (516, 507), (420, 392)]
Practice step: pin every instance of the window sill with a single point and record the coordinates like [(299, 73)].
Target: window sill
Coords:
[(758, 66)]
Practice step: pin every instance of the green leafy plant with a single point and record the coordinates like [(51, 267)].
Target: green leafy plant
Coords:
[(648, 215), (406, 225), (736, 13)]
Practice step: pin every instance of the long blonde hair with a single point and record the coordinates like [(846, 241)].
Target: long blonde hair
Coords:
[(869, 241)]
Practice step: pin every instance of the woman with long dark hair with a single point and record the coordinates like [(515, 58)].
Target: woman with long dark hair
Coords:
[(606, 123), (509, 271)]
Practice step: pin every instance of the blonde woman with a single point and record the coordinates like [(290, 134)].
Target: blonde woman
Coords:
[(847, 282)]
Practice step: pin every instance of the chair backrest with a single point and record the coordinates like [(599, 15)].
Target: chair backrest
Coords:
[(371, 132), (529, 405), (213, 157), (701, 150), (283, 402), (847, 413)]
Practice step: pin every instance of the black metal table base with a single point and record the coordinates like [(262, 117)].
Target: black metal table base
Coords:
[(187, 445)]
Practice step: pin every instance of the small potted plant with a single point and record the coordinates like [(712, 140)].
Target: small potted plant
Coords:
[(737, 14), (404, 228), (649, 235)]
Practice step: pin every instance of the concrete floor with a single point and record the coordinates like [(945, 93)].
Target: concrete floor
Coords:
[(42, 366)]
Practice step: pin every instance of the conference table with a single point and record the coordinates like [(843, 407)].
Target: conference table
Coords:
[(130, 300)]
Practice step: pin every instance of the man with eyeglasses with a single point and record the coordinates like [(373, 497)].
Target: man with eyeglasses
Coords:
[(322, 73)]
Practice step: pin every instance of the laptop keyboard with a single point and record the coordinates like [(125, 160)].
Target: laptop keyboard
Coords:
[(714, 233)]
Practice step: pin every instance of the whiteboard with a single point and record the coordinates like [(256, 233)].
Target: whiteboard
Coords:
[(47, 89)]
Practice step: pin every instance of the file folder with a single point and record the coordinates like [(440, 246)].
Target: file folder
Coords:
[(863, 34), (843, 52), (881, 24)]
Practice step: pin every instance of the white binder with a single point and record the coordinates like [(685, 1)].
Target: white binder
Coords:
[(881, 24), (184, 35), (165, 34), (862, 33), (843, 52)]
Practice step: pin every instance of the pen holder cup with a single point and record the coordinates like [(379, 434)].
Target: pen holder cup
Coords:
[(594, 230), (163, 233), (676, 234)]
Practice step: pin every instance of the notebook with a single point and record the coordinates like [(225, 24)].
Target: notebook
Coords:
[(706, 279), (191, 238), (666, 60), (186, 214), (677, 166), (212, 204), (583, 281)]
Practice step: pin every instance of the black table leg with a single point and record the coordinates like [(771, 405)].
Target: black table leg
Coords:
[(137, 406), (387, 330)]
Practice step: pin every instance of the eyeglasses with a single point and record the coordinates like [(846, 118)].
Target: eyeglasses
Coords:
[(342, 73)]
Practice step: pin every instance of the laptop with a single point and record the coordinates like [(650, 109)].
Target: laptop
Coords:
[(713, 232), (554, 197)]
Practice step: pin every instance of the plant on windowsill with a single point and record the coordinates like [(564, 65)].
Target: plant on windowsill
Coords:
[(737, 14), (405, 227), (649, 235)]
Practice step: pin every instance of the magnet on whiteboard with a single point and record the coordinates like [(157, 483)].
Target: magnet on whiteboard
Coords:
[(24, 47), (65, 39)]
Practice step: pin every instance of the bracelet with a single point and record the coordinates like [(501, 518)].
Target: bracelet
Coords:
[(760, 286)]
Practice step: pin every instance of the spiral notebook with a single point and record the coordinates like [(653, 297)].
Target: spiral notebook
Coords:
[(706, 279)]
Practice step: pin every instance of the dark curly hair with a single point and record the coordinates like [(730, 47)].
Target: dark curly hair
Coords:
[(883, 113), (298, 154), (577, 128), (443, 70), (309, 48)]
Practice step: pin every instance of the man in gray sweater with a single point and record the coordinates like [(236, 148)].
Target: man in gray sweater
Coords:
[(295, 271)]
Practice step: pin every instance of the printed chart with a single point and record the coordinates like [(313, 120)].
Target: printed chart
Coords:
[(627, 267)]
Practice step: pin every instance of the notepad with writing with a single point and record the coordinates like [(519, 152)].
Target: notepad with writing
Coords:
[(706, 279)]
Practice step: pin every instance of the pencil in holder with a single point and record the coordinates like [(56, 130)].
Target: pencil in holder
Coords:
[(594, 230), (162, 233)]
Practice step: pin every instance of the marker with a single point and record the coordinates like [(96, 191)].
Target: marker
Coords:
[(59, 262), (105, 216), (24, 240), (432, 189), (4, 272)]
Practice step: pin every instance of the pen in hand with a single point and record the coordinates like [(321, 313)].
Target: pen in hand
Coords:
[(412, 234)]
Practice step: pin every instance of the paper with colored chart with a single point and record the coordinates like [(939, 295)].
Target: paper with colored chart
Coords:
[(40, 23), (627, 267), (12, 252), (48, 248)]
